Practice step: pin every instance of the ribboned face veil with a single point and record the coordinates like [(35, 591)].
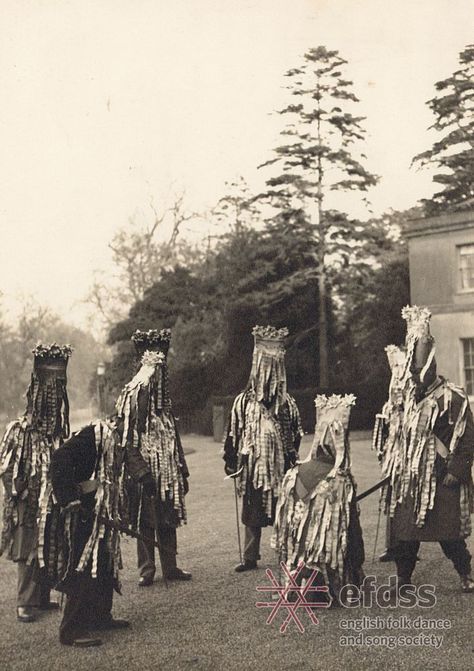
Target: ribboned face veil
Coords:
[(268, 374), (47, 400)]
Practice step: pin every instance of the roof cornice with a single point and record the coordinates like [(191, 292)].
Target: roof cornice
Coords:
[(454, 221)]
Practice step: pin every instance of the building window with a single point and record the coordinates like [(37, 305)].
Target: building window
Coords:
[(466, 267), (468, 350)]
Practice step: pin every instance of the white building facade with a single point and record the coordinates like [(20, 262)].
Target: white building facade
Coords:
[(441, 256)]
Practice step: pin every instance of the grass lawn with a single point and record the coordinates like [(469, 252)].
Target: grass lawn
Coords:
[(212, 622)]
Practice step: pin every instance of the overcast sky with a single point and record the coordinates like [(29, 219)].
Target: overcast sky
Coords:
[(108, 103)]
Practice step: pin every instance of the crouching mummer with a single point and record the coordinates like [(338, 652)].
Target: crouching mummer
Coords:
[(317, 520)]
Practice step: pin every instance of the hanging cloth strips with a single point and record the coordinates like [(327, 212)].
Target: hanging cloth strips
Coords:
[(26, 453), (156, 439), (315, 530), (108, 473), (268, 377), (159, 448), (418, 477), (261, 453), (388, 434)]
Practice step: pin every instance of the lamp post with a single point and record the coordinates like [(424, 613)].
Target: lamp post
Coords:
[(101, 388)]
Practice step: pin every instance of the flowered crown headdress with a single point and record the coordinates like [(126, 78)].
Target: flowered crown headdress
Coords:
[(153, 340), (53, 356)]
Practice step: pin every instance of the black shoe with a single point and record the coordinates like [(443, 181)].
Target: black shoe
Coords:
[(49, 605), (111, 624), (83, 642), (178, 574), (246, 566), (387, 555), (145, 582), (25, 614), (86, 642)]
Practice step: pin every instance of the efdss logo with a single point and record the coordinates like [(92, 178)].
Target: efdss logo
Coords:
[(391, 595)]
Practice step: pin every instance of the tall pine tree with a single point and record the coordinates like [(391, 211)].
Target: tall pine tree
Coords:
[(453, 153), (322, 155)]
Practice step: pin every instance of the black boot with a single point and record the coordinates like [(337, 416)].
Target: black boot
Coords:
[(178, 574), (25, 614), (387, 555), (246, 566), (80, 638), (84, 642)]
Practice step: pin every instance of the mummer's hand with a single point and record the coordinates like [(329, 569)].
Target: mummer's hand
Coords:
[(292, 457)]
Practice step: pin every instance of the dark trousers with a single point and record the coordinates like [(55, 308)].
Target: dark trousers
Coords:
[(88, 600), (88, 603), (406, 553), (32, 589), (252, 543), (390, 542), (146, 551)]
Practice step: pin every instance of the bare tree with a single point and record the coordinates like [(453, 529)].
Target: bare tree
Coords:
[(140, 254), (237, 210), (34, 323)]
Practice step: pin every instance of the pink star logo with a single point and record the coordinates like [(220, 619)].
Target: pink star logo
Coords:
[(300, 602)]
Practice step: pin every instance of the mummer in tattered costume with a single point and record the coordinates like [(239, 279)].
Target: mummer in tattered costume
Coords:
[(25, 458), (432, 495), (317, 520), (152, 425), (263, 438), (82, 536), (387, 439)]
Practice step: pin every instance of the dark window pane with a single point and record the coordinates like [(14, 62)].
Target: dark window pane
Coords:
[(466, 266), (468, 351)]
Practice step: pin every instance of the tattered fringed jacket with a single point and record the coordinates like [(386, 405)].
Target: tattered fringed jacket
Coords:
[(261, 445), (89, 466), (388, 436), (322, 530), (438, 439), (25, 456), (157, 440)]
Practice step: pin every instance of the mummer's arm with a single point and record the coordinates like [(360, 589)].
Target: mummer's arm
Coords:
[(118, 526)]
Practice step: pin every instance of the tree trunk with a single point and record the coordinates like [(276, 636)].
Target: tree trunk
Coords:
[(323, 332), (323, 317), (315, 210)]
